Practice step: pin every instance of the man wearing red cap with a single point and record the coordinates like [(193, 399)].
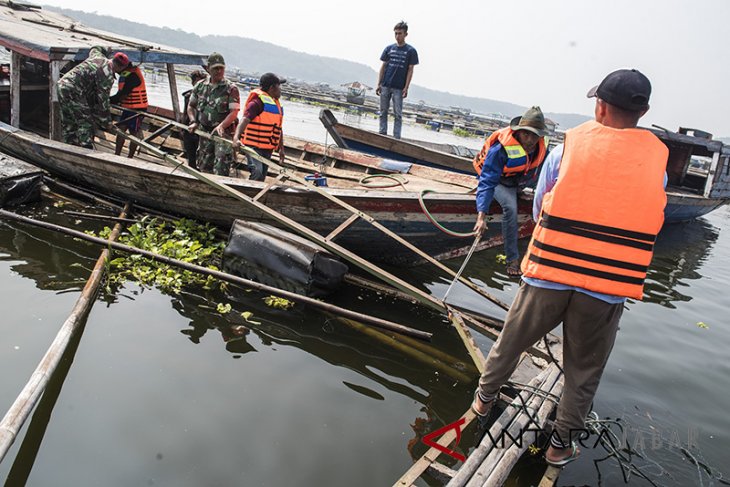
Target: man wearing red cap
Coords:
[(132, 96), (83, 95)]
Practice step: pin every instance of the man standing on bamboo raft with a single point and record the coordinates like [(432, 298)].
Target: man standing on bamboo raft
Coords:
[(83, 95), (213, 108), (599, 204)]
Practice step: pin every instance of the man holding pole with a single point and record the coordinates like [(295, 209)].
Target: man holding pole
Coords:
[(213, 108), (599, 205)]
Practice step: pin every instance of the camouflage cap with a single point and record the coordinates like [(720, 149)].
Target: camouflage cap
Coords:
[(215, 60)]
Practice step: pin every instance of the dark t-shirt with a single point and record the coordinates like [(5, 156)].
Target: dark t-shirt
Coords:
[(397, 60)]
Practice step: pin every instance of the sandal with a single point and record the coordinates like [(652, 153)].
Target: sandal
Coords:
[(574, 454), (477, 400), (513, 268)]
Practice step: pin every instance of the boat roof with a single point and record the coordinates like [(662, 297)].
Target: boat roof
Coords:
[(701, 144), (49, 36)]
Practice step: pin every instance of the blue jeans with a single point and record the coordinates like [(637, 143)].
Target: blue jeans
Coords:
[(258, 169), (385, 95), (507, 199)]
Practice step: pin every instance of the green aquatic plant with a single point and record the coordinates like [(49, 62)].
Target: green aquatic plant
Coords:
[(183, 239), (702, 325), (463, 132), (501, 259), (278, 303)]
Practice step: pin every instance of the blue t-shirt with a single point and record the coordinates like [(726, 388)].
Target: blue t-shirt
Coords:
[(397, 59)]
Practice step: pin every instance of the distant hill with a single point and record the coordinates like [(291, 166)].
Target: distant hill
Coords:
[(254, 56)]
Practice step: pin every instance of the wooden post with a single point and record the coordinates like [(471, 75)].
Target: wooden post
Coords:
[(711, 174), (54, 114), (173, 91), (15, 89)]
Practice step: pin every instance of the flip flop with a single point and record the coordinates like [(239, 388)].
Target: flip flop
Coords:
[(513, 268), (489, 405), (563, 462)]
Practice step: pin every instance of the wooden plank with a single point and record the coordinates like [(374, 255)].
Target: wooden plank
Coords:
[(342, 227), (474, 352), (440, 472), (157, 132), (54, 115), (173, 91), (711, 174), (15, 89), (420, 466), (281, 177), (550, 477)]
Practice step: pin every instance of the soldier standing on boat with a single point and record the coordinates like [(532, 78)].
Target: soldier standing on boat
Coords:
[(191, 140), (213, 108), (507, 164), (395, 78), (83, 95), (599, 205), (261, 128), (131, 95)]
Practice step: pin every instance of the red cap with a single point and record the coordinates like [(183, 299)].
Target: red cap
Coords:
[(121, 59)]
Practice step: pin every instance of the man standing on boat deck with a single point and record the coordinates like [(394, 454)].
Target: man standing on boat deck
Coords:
[(507, 164), (191, 140), (83, 96), (131, 95), (213, 108), (261, 127), (599, 205), (395, 78)]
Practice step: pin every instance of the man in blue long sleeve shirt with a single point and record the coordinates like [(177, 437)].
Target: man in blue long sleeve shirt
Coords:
[(510, 161)]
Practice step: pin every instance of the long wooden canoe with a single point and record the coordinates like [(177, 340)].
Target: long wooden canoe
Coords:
[(159, 187)]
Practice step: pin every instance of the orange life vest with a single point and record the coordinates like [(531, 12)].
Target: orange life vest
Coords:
[(264, 131), (137, 98), (518, 161), (598, 225)]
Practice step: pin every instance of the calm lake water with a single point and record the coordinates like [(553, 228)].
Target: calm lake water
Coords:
[(162, 392)]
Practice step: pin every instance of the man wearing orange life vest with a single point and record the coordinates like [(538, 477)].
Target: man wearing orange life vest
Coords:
[(599, 205), (261, 127), (509, 162), (132, 95)]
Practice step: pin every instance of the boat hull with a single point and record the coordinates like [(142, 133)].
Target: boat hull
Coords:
[(172, 191)]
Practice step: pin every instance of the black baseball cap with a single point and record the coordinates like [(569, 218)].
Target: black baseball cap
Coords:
[(270, 79), (626, 88)]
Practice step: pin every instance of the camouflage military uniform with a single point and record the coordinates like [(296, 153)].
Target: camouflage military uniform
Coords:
[(213, 103), (83, 94)]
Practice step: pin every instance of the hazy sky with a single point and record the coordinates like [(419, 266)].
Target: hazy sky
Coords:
[(528, 52)]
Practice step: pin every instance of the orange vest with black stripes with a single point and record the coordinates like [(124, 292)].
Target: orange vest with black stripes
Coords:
[(518, 161), (598, 225), (264, 131), (137, 98)]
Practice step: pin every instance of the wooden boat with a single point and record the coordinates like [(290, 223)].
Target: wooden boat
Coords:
[(698, 173), (349, 137)]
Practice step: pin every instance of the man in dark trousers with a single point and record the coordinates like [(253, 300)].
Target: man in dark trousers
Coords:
[(395, 78), (132, 95), (191, 140), (599, 204), (261, 127)]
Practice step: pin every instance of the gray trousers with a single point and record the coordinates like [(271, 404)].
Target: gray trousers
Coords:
[(589, 331)]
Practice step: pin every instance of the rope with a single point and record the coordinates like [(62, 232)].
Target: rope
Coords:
[(436, 223)]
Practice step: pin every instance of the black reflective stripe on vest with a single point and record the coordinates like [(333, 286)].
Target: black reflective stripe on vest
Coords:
[(586, 271), (620, 236), (591, 258)]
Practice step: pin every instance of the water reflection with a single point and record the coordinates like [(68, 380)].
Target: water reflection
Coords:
[(680, 251)]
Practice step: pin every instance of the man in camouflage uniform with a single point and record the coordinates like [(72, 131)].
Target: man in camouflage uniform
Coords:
[(83, 94), (213, 107)]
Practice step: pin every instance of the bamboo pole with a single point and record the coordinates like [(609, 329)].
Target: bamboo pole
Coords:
[(374, 321), (26, 401), (428, 356)]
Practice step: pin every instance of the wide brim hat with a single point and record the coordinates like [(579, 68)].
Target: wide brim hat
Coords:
[(532, 120)]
